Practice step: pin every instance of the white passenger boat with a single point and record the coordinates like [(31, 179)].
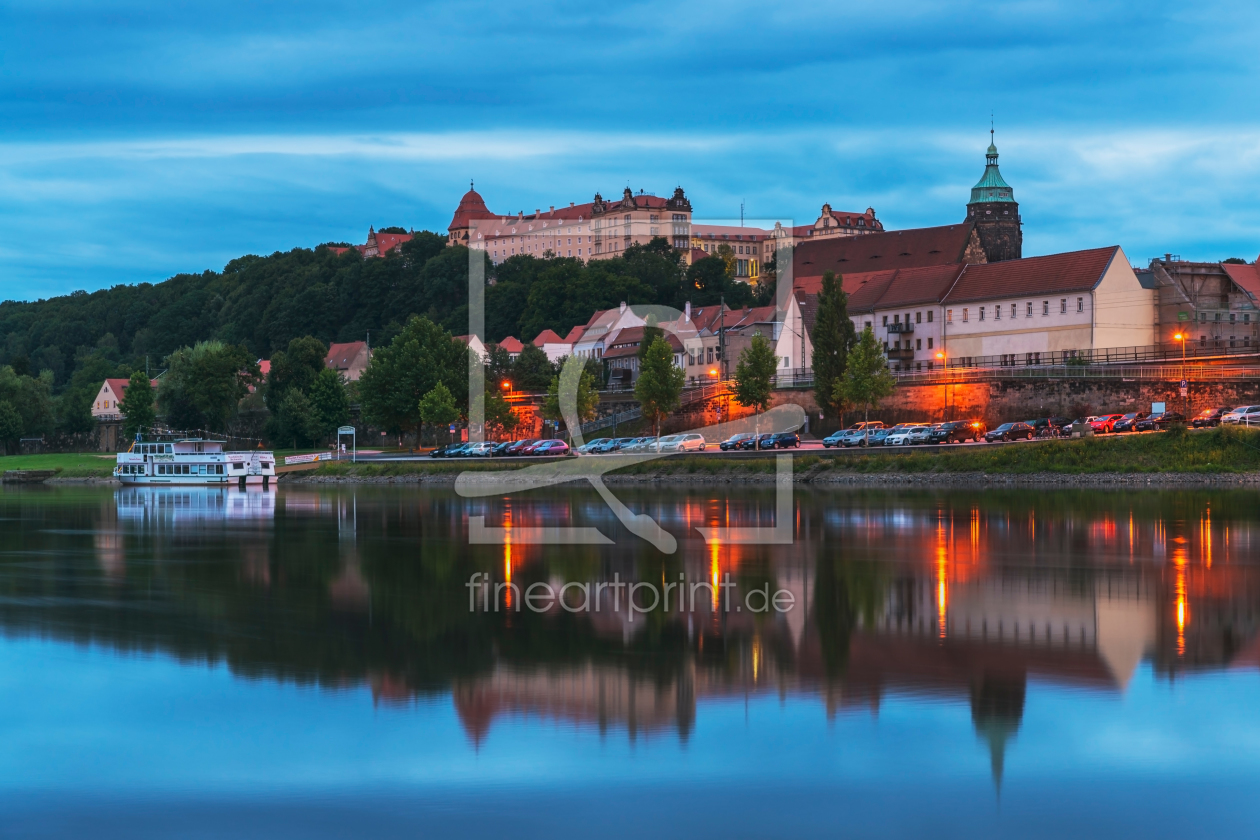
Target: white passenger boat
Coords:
[(193, 461)]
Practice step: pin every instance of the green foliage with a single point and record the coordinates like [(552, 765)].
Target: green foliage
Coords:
[(298, 366), (498, 366), (10, 425), (137, 404), (660, 383), (330, 402), (709, 282), (581, 380), (31, 398), (437, 407), (418, 358), (867, 379), (498, 415), (1234, 261), (532, 370), (833, 338), (296, 422), (754, 374), (204, 384), (651, 332)]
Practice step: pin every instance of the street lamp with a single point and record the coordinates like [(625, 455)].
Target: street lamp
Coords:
[(940, 357), (1185, 400)]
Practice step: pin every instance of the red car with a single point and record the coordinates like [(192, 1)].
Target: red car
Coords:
[(1106, 423), (549, 447)]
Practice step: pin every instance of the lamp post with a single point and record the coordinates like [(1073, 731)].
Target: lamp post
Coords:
[(940, 357), (1185, 399), (713, 375)]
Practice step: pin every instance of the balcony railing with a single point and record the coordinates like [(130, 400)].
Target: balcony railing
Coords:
[(901, 327), (901, 354)]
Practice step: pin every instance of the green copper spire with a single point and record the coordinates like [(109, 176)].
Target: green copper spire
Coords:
[(991, 187)]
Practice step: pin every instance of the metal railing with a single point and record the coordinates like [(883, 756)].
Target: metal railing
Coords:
[(1151, 373), (1211, 349)]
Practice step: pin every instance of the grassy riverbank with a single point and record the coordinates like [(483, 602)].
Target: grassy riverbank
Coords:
[(71, 465)]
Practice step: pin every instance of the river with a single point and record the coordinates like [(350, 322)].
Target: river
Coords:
[(344, 663)]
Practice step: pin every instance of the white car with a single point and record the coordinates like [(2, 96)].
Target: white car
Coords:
[(898, 437), (919, 434), (682, 443), (480, 450), (1236, 415)]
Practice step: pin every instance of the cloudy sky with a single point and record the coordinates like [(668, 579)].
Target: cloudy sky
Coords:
[(144, 139)]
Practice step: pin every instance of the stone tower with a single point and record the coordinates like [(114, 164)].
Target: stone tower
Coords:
[(996, 213)]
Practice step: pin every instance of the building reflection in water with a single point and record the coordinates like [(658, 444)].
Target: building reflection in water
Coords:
[(954, 597)]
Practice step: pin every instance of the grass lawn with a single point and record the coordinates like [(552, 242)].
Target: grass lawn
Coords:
[(73, 465)]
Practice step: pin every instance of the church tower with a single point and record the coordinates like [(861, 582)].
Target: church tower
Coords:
[(995, 212)]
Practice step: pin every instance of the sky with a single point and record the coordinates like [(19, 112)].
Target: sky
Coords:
[(141, 140)]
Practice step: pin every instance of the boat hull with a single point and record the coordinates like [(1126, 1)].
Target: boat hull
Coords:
[(195, 480)]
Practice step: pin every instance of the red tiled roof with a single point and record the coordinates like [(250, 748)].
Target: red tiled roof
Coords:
[(337, 249), (575, 334), (117, 386), (547, 337), (471, 206), (1076, 271), (341, 355), (386, 242), (264, 366), (878, 251), (1246, 276), (899, 287), (631, 337), (512, 345)]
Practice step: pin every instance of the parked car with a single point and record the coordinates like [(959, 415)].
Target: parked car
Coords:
[(1011, 431), (1128, 423), (856, 431), (957, 431), (761, 441), (1105, 423), (834, 438), (784, 440), (919, 435), (550, 447), (608, 445), (1159, 421), (638, 444), (593, 446), (519, 447), (619, 444), (900, 435), (1236, 414), (877, 437), (501, 448), (692, 442), (1250, 417), (446, 451), (1208, 417), (734, 441)]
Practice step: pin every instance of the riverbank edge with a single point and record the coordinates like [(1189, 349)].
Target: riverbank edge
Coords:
[(838, 479)]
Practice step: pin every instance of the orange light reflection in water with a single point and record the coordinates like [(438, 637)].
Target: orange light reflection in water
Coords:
[(714, 572), (942, 592), (1180, 559), (507, 559)]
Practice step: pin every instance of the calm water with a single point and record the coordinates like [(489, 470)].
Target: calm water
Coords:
[(305, 663)]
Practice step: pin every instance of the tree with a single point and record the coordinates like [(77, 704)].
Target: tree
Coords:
[(297, 367), (31, 397), (419, 357), (867, 379), (297, 423), (498, 414), (660, 383), (532, 371), (330, 402), (586, 394), (754, 374), (10, 425), (137, 404), (834, 336), (651, 332), (498, 365), (204, 383), (437, 407)]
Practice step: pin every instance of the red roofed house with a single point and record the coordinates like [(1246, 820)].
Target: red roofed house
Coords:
[(105, 406), (475, 343), (350, 360), (1217, 304), (512, 345), (378, 244), (553, 345)]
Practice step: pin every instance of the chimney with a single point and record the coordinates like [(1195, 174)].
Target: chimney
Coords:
[(537, 211), (570, 203), (623, 307), (1167, 257), (552, 208), (687, 312)]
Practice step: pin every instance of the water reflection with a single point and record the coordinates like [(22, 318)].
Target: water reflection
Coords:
[(950, 597)]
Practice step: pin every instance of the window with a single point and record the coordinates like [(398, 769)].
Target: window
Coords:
[(929, 343), (1246, 318), (896, 319), (1063, 306), (929, 316), (918, 344), (1232, 317), (1218, 316), (964, 314), (868, 325), (1029, 315), (949, 316), (982, 313), (1014, 310), (918, 317), (997, 313), (885, 320), (1080, 304), (1045, 307)]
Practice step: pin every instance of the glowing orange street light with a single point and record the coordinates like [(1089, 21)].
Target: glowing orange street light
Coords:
[(713, 372), (507, 386), (940, 357), (1180, 336)]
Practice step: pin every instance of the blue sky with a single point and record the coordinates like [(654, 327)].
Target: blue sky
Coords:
[(144, 139)]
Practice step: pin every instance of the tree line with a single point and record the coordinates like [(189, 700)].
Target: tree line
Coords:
[(66, 346)]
